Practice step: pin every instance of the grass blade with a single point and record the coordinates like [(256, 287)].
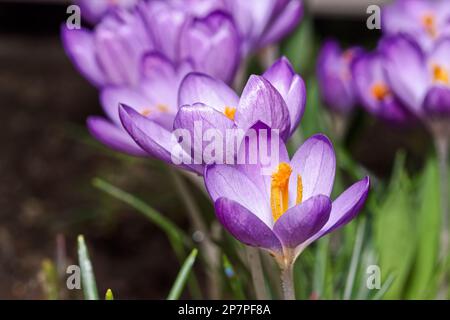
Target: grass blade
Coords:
[(387, 284), (355, 261), (182, 277), (160, 220), (87, 272)]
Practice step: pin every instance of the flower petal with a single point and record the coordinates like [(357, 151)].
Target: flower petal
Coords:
[(291, 87), (229, 182), (245, 226), (260, 101), (286, 22), (315, 162), (406, 72), (345, 207), (113, 136), (212, 42), (303, 221), (79, 46), (201, 88), (437, 102)]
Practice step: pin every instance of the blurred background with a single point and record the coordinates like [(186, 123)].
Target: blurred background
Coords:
[(48, 160)]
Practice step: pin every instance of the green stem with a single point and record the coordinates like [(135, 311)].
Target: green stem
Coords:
[(207, 246), (442, 152), (287, 282)]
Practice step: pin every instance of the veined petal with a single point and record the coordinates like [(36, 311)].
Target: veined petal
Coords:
[(303, 221), (204, 123), (113, 136), (229, 182), (260, 101), (245, 226), (315, 162), (345, 207), (291, 87), (201, 88)]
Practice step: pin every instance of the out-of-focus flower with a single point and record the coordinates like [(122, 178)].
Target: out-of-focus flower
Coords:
[(374, 90), (335, 77), (421, 80), (155, 100), (111, 54), (264, 22), (94, 10), (286, 211), (277, 98), (424, 20)]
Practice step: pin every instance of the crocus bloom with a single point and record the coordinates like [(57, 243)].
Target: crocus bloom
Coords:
[(421, 80), (287, 210), (155, 100), (94, 10), (264, 22), (374, 90), (335, 77), (424, 20), (111, 54), (276, 98)]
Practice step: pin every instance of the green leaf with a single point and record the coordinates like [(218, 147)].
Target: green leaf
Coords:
[(320, 267), (384, 288), (87, 272), (233, 279), (50, 280), (428, 229), (394, 232), (348, 292), (182, 277), (172, 231), (109, 295)]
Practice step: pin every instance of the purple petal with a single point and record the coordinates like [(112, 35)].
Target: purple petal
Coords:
[(213, 45), (245, 226), (437, 102), (229, 182), (345, 207), (284, 23), (315, 162), (200, 121), (79, 46), (291, 87), (201, 88), (405, 67), (303, 221), (156, 140), (260, 101), (113, 136)]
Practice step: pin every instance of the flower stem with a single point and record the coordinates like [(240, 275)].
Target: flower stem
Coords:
[(287, 281), (442, 153), (254, 263), (207, 246)]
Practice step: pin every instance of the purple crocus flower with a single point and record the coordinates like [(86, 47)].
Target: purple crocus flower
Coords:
[(424, 20), (335, 77), (154, 100), (277, 98), (374, 90), (287, 210), (421, 80), (111, 53), (94, 10)]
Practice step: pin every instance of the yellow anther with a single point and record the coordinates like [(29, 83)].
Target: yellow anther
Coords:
[(146, 112), (380, 91), (279, 190), (429, 23), (299, 189), (230, 112), (440, 75), (162, 107)]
